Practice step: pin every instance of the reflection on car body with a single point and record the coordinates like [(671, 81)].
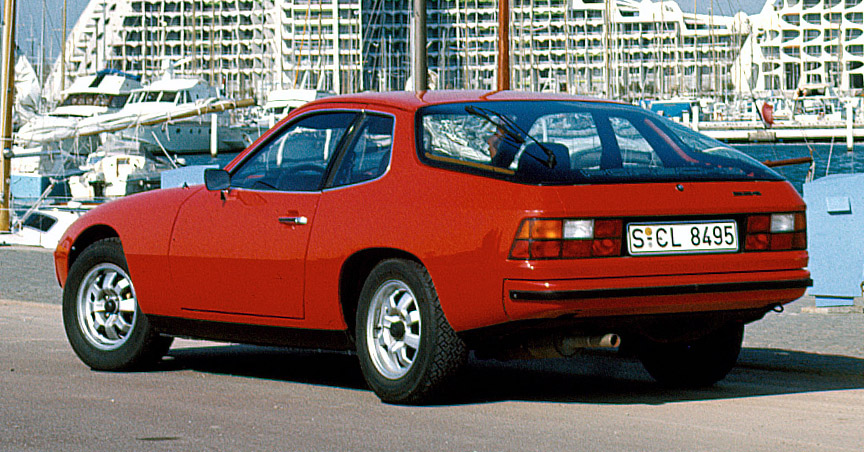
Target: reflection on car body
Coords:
[(385, 223)]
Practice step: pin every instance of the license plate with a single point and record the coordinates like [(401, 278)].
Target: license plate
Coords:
[(682, 238)]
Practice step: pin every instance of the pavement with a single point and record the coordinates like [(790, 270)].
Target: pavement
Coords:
[(27, 274), (799, 385)]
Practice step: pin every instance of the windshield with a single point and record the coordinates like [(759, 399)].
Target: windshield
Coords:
[(573, 142)]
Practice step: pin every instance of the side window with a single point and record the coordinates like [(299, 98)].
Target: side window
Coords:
[(369, 156), (635, 149), (461, 137), (296, 159)]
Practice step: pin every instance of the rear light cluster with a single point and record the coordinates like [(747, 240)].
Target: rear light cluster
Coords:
[(567, 239), (776, 232), (544, 238)]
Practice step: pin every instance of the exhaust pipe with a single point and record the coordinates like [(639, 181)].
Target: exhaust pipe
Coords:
[(559, 346), (568, 346)]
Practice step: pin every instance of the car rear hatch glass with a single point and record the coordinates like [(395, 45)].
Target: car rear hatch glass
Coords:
[(575, 142)]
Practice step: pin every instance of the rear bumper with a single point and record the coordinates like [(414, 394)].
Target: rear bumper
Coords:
[(525, 299)]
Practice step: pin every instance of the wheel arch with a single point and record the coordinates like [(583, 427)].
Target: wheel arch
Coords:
[(353, 275), (88, 237)]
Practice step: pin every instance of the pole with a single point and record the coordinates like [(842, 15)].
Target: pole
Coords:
[(42, 48), (6, 100), (418, 66), (63, 52), (504, 45), (214, 135), (337, 63)]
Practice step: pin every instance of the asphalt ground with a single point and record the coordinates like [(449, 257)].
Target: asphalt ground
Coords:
[(798, 386)]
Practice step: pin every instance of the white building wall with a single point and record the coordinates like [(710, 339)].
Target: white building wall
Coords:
[(630, 49), (801, 43)]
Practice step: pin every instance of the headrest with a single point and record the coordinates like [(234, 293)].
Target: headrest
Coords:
[(532, 163)]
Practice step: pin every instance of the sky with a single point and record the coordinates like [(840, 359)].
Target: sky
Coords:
[(29, 26), (28, 30)]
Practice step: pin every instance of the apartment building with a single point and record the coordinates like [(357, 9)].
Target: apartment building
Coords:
[(621, 49)]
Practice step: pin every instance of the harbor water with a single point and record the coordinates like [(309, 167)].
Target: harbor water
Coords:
[(829, 158)]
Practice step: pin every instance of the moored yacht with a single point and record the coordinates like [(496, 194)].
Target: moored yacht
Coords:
[(174, 97), (89, 96)]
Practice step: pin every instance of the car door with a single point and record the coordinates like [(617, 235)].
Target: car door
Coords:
[(242, 251)]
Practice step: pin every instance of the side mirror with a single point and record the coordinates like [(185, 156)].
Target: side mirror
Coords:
[(216, 179)]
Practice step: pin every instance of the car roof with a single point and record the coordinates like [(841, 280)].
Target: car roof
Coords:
[(410, 100)]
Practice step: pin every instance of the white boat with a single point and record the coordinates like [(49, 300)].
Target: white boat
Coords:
[(89, 96), (817, 105), (44, 226), (280, 102), (167, 98), (115, 169)]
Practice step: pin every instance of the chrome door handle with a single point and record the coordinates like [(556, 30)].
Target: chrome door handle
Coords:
[(293, 220)]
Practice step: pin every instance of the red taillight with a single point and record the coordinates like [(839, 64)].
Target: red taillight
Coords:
[(758, 223), (567, 239), (776, 232)]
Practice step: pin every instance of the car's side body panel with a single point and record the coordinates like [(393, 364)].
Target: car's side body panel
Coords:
[(236, 253)]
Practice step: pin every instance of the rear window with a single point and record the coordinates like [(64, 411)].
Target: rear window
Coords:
[(573, 142)]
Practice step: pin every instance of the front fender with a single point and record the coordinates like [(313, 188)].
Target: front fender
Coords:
[(143, 222)]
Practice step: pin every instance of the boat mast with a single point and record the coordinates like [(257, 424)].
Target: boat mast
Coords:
[(607, 47), (840, 53), (337, 64), (697, 72), (466, 71), (418, 65), (503, 45), (7, 99), (715, 75), (63, 52), (42, 50), (567, 66)]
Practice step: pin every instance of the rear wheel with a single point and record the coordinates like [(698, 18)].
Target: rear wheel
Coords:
[(407, 349), (100, 312), (694, 363)]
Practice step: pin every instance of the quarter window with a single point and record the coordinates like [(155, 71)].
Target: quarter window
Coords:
[(297, 158), (369, 156)]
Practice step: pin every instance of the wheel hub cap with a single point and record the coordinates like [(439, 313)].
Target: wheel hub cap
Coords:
[(397, 330), (393, 329), (106, 306)]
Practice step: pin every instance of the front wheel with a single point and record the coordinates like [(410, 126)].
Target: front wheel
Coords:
[(700, 362), (100, 312), (407, 349)]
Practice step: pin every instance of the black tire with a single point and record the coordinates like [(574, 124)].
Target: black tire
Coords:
[(104, 325), (407, 356), (696, 363)]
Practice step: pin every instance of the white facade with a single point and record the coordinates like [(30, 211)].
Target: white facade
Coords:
[(623, 49), (802, 43)]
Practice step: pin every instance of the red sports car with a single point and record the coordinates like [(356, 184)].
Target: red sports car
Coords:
[(414, 227)]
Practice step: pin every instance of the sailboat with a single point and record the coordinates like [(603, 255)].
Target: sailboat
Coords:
[(27, 93)]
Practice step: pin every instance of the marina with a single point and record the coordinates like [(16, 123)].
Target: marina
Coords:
[(354, 232), (142, 87)]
